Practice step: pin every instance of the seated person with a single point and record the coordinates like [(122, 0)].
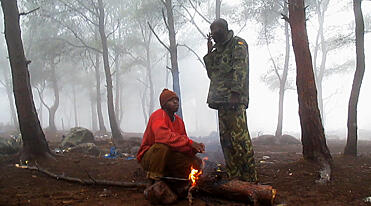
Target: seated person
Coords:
[(166, 150)]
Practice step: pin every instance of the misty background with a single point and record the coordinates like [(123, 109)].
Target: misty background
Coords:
[(51, 38)]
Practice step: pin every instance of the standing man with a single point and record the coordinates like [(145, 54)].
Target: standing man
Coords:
[(227, 65)]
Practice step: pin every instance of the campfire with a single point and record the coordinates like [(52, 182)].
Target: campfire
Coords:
[(194, 176), (215, 184)]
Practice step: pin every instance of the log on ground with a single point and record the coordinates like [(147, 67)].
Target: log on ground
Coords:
[(238, 191)]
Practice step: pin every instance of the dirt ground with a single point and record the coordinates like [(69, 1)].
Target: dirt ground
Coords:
[(280, 166)]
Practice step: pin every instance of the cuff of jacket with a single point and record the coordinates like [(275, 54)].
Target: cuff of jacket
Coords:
[(190, 142)]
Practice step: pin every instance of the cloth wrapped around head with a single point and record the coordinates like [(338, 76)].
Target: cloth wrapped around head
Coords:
[(166, 95)]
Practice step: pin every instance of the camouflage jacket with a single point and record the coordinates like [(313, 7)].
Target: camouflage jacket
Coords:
[(228, 69)]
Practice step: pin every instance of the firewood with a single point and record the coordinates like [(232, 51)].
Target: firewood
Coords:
[(89, 181), (237, 190)]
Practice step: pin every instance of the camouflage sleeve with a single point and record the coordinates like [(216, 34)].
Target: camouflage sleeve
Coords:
[(208, 63), (240, 66)]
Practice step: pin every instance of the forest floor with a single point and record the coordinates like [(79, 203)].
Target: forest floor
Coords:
[(280, 166)]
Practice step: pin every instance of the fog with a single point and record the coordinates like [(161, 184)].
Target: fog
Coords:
[(199, 119)]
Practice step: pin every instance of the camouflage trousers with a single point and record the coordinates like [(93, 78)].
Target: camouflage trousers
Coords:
[(236, 143)]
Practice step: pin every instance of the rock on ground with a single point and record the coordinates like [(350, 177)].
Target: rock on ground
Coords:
[(77, 135)]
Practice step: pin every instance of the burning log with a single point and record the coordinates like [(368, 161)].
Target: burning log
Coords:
[(237, 190), (214, 182)]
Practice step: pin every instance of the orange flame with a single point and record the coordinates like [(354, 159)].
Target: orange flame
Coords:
[(194, 176)]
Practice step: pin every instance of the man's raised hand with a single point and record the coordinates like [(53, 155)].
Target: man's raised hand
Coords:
[(209, 43)]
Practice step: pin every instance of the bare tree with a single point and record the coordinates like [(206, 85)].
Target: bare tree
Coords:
[(268, 12), (46, 54), (53, 108), (116, 131), (172, 48), (93, 15), (283, 78), (93, 102), (143, 51), (102, 128), (312, 132), (351, 146), (321, 7), (7, 84), (34, 142)]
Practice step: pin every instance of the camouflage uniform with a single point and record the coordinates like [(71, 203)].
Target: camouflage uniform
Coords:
[(227, 67)]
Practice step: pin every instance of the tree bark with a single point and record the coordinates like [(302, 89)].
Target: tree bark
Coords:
[(116, 132), (320, 41), (217, 8), (143, 104), (34, 142), (93, 102), (9, 93), (173, 54), (40, 113), (351, 146), (284, 76), (312, 132), (39, 110), (74, 105), (149, 75), (167, 71), (53, 109), (102, 128), (118, 109), (118, 103)]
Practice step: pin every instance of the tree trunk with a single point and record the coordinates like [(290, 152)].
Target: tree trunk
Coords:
[(174, 54), (319, 82), (320, 41), (351, 146), (143, 103), (53, 109), (118, 88), (102, 128), (93, 102), (217, 8), (312, 132), (118, 103), (40, 114), (284, 76), (74, 105), (320, 78), (34, 142), (9, 93), (150, 81), (116, 133), (39, 110), (167, 71), (62, 125)]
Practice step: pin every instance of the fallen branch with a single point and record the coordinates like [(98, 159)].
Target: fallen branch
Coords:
[(25, 13), (238, 191), (85, 181)]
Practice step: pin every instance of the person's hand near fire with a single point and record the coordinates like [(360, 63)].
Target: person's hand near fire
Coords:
[(198, 147)]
